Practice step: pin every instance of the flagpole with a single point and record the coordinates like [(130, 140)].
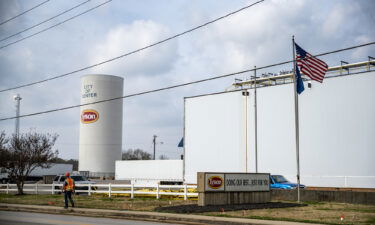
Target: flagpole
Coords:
[(256, 119), (296, 113)]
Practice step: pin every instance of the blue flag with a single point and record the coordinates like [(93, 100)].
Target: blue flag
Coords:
[(300, 87), (181, 144)]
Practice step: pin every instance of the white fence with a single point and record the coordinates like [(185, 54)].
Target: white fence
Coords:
[(109, 189), (335, 181), (340, 181)]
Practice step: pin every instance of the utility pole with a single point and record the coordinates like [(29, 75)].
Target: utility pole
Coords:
[(17, 98), (154, 142), (246, 94)]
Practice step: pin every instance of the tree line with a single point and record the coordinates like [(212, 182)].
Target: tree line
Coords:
[(139, 154)]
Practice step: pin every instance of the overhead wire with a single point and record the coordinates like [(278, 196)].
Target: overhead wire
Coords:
[(12, 18), (44, 21), (132, 52), (48, 28), (181, 85)]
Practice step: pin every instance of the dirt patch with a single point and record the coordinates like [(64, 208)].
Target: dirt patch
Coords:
[(194, 208), (314, 212)]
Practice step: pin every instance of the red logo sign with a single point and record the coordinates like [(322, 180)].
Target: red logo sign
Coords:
[(215, 182), (89, 116)]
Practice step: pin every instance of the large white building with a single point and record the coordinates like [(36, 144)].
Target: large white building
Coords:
[(337, 129)]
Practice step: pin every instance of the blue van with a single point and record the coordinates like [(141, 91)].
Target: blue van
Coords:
[(280, 182)]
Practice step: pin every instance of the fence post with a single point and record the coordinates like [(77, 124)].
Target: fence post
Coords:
[(109, 190), (36, 188), (53, 188), (7, 188), (132, 191), (345, 181), (89, 190), (185, 191), (157, 191)]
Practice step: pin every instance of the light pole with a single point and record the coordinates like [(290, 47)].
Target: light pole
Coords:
[(17, 98), (256, 119)]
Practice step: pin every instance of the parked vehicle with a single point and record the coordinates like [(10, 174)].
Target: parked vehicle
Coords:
[(3, 176), (81, 182), (280, 182)]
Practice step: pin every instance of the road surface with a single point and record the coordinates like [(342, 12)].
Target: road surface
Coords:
[(25, 218)]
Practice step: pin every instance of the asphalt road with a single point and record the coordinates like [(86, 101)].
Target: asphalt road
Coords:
[(23, 218)]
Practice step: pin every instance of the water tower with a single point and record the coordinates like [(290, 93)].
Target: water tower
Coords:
[(100, 139)]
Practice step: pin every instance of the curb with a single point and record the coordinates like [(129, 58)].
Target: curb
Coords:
[(143, 216)]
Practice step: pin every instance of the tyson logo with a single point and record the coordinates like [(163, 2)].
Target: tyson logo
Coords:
[(89, 116), (215, 182)]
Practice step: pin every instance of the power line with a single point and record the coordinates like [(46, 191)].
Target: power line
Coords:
[(12, 18), (38, 24), (182, 84), (48, 28), (132, 52)]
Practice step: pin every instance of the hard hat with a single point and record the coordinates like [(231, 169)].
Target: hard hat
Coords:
[(67, 174)]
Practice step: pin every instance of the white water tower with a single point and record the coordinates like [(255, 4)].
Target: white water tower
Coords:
[(100, 139)]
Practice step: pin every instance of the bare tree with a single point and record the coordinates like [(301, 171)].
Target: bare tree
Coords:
[(3, 140), (137, 154), (163, 157), (21, 155), (3, 148)]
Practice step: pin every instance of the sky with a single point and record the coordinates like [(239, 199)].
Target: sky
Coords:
[(258, 36)]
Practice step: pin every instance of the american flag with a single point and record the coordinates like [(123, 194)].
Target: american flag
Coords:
[(310, 66)]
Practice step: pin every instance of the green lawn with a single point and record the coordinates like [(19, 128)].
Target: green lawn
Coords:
[(314, 212)]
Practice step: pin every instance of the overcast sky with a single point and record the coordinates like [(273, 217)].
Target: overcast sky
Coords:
[(258, 36)]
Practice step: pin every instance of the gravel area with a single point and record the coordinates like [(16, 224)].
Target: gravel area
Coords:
[(194, 208)]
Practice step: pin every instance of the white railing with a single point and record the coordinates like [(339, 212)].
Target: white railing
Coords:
[(335, 181), (109, 189), (340, 181)]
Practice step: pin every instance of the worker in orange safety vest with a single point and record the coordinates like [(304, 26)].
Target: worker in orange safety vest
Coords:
[(68, 189)]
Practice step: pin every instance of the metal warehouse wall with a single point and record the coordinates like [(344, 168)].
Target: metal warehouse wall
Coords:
[(214, 134), (337, 130)]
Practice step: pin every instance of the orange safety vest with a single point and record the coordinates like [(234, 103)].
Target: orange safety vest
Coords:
[(69, 184)]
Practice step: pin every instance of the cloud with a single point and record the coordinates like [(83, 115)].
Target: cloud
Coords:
[(128, 37), (333, 23), (14, 73), (262, 35), (8, 9), (343, 20), (257, 36)]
